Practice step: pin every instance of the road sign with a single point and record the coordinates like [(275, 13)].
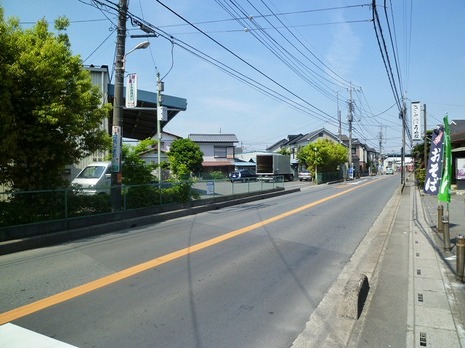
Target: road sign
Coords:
[(131, 91)]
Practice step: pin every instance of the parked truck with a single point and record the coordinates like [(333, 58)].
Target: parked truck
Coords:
[(271, 166)]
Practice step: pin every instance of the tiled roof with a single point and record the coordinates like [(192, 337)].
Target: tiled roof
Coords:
[(276, 145), (457, 126), (213, 138)]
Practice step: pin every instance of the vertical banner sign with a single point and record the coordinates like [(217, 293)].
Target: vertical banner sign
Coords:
[(116, 149), (416, 123), (434, 169), (131, 91), (444, 190)]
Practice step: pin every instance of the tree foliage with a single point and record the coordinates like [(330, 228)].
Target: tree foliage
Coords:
[(135, 170), (418, 151), (323, 153), (50, 112), (185, 157), (285, 151)]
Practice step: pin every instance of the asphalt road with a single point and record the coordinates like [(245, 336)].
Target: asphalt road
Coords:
[(243, 276)]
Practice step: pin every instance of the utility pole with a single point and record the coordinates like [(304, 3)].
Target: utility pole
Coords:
[(380, 146), (339, 117), (160, 88), (116, 173), (350, 118), (424, 144), (403, 115)]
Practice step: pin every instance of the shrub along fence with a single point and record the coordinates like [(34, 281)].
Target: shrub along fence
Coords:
[(31, 207), (328, 177)]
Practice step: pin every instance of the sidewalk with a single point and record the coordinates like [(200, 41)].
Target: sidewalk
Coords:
[(415, 300)]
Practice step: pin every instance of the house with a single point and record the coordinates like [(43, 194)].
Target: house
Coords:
[(360, 155), (219, 151), (151, 156), (101, 79), (294, 143), (372, 160), (139, 122), (457, 139)]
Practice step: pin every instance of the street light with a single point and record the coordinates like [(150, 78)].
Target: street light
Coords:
[(139, 46), (117, 131)]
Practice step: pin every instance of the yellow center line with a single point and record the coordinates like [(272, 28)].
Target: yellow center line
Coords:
[(131, 271)]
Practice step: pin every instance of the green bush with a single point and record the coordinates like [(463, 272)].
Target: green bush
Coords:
[(81, 205), (32, 207), (217, 175), (180, 193), (142, 196), (39, 206), (420, 176)]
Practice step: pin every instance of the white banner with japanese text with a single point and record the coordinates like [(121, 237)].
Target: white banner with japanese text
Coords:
[(416, 121), (434, 168)]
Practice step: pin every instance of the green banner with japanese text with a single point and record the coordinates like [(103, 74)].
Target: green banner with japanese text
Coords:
[(444, 189)]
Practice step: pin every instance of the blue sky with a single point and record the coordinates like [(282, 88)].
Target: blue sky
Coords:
[(334, 43)]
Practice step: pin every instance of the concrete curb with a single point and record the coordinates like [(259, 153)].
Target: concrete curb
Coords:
[(333, 321), (354, 296)]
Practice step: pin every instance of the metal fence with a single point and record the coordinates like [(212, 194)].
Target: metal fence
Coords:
[(328, 177), (30, 207)]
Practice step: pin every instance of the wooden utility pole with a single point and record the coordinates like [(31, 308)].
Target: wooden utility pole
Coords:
[(350, 118), (117, 132), (425, 154)]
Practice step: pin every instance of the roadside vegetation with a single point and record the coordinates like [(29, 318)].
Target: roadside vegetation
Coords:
[(323, 156), (418, 154), (51, 114)]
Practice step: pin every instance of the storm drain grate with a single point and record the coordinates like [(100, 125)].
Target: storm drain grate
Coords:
[(420, 297), (423, 339), (418, 271)]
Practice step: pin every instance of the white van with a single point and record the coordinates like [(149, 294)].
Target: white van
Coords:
[(94, 179)]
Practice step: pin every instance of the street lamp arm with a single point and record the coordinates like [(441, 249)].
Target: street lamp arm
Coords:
[(140, 45)]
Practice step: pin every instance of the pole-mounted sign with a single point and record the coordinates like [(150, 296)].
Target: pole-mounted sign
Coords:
[(416, 130), (131, 91), (116, 149)]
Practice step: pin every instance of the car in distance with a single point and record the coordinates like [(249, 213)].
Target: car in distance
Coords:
[(94, 179), (305, 175), (389, 170), (243, 175)]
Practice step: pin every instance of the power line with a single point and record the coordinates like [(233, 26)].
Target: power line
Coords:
[(394, 47), (385, 55), (272, 28), (248, 64), (290, 60), (281, 14)]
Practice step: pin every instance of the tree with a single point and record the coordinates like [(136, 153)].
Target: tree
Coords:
[(418, 153), (135, 170), (185, 157), (322, 154), (284, 151), (50, 111), (419, 150)]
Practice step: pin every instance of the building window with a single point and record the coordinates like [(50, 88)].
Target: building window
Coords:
[(220, 152)]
